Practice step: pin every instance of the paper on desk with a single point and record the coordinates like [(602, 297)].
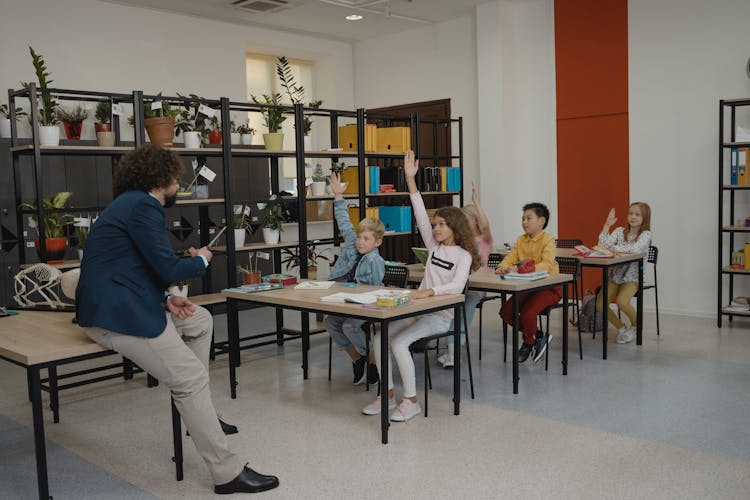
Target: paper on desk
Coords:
[(314, 285), (358, 298), (525, 276)]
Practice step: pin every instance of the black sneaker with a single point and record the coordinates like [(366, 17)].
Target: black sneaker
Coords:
[(524, 352), (372, 374), (360, 370), (540, 346)]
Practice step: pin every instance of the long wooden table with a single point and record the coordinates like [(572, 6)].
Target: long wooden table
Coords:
[(308, 301), (36, 340)]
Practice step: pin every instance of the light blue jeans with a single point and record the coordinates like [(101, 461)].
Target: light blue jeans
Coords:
[(347, 332), (472, 299)]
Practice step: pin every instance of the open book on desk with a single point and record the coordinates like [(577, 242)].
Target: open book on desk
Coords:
[(596, 252), (362, 298), (537, 275)]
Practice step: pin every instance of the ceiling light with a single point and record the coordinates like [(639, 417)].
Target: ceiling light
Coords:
[(353, 17)]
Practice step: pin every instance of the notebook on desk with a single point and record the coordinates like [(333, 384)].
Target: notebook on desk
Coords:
[(421, 254)]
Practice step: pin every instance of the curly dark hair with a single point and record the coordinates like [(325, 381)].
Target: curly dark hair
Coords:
[(456, 219), (146, 168)]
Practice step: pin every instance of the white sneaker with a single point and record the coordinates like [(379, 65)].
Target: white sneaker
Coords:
[(627, 335), (406, 411), (374, 408), (446, 359)]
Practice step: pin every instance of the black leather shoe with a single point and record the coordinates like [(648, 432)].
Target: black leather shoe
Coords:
[(248, 481), (227, 428)]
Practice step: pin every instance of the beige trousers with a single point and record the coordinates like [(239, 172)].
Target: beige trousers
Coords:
[(178, 358)]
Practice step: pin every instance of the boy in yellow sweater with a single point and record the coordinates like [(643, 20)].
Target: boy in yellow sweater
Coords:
[(539, 245)]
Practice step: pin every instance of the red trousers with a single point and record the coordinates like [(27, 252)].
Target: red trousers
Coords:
[(529, 307)]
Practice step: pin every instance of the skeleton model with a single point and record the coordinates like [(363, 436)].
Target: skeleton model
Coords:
[(39, 281)]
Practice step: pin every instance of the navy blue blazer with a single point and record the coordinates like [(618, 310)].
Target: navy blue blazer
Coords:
[(127, 265)]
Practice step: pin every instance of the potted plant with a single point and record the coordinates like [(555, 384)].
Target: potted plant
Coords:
[(319, 181), (49, 132), (5, 120), (82, 232), (72, 120), (103, 124), (54, 225), (235, 137), (214, 134), (159, 122), (272, 219), (252, 274), (273, 117), (241, 225), (191, 122), (296, 95), (291, 258), (246, 134)]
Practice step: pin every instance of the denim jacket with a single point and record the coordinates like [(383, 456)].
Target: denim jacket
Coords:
[(371, 268)]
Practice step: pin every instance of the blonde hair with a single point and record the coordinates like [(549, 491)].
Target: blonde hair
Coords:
[(374, 225)]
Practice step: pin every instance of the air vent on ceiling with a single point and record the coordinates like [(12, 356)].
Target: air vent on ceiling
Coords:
[(261, 6)]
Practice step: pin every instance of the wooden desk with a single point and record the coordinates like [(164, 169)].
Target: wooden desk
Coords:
[(308, 301), (37, 340), (605, 265)]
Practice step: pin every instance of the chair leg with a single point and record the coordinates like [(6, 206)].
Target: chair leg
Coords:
[(546, 352), (367, 357), (656, 296), (468, 355), (427, 383), (330, 349), (481, 309), (505, 341)]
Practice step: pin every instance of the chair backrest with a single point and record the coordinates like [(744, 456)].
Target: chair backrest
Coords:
[(494, 260), (653, 253), (397, 276), (569, 265), (567, 243)]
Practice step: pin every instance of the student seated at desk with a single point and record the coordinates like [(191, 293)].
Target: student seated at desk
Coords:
[(126, 268), (623, 280), (453, 254), (539, 245), (360, 262)]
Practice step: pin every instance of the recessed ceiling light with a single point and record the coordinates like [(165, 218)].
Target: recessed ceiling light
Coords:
[(353, 17)]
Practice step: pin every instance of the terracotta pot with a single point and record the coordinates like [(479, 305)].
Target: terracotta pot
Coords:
[(73, 130), (160, 130), (252, 277), (214, 137), (102, 127), (106, 139), (56, 248)]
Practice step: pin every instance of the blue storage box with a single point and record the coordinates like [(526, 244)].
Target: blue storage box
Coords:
[(395, 218)]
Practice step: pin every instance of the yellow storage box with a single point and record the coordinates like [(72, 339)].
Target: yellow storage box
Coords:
[(394, 139)]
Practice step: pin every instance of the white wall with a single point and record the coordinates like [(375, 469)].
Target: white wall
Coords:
[(424, 64), (516, 95), (684, 55), (94, 45)]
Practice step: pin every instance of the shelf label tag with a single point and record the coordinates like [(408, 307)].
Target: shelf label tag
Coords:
[(155, 105), (261, 206), (117, 109), (246, 211), (81, 222), (207, 173), (264, 255), (176, 223), (29, 244), (238, 209), (205, 110)]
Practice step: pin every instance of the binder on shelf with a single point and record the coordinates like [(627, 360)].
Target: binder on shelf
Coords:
[(747, 256), (374, 175), (371, 212), (443, 179), (348, 137), (733, 170), (394, 139), (743, 176), (351, 176), (396, 218)]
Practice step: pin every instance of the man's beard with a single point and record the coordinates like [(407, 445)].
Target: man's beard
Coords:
[(169, 201)]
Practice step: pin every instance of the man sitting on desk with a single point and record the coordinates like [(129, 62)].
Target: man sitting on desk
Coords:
[(126, 268)]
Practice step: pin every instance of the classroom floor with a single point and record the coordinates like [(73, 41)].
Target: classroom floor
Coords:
[(667, 420)]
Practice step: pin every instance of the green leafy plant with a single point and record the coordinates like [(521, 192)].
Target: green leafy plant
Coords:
[(54, 222), (189, 119), (290, 257), (307, 120), (273, 116), (273, 216), (81, 234), (77, 114), (338, 167), (49, 105), (215, 124), (295, 92), (5, 111), (317, 173), (245, 128), (103, 112), (242, 219)]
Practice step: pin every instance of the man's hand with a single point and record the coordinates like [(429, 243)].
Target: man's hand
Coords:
[(180, 306), (204, 251), (337, 188)]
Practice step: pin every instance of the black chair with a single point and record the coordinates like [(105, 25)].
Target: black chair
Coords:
[(567, 265), (571, 243), (437, 336), (492, 262), (395, 276), (653, 255)]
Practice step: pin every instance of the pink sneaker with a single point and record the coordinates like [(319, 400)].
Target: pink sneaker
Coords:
[(375, 407), (406, 411)]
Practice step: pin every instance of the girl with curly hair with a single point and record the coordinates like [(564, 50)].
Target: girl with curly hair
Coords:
[(452, 256)]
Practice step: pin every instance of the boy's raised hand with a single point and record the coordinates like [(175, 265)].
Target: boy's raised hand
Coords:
[(337, 188), (411, 166)]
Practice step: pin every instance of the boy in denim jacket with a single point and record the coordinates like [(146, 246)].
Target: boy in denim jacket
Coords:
[(360, 262)]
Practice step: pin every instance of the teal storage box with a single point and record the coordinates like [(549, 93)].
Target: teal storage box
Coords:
[(395, 218)]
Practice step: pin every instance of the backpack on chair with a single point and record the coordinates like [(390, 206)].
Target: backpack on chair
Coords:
[(589, 317)]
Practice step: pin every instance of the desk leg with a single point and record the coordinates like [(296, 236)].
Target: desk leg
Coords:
[(565, 329), (233, 336), (279, 326), (177, 440), (639, 305), (127, 369), (305, 343), (384, 423), (605, 310), (54, 396), (457, 358), (514, 344), (39, 442)]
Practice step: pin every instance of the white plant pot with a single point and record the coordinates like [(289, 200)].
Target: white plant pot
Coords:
[(239, 239), (236, 138), (49, 135), (179, 291), (329, 190), (192, 139), (4, 127), (80, 254), (308, 143), (318, 188), (246, 139), (270, 235)]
